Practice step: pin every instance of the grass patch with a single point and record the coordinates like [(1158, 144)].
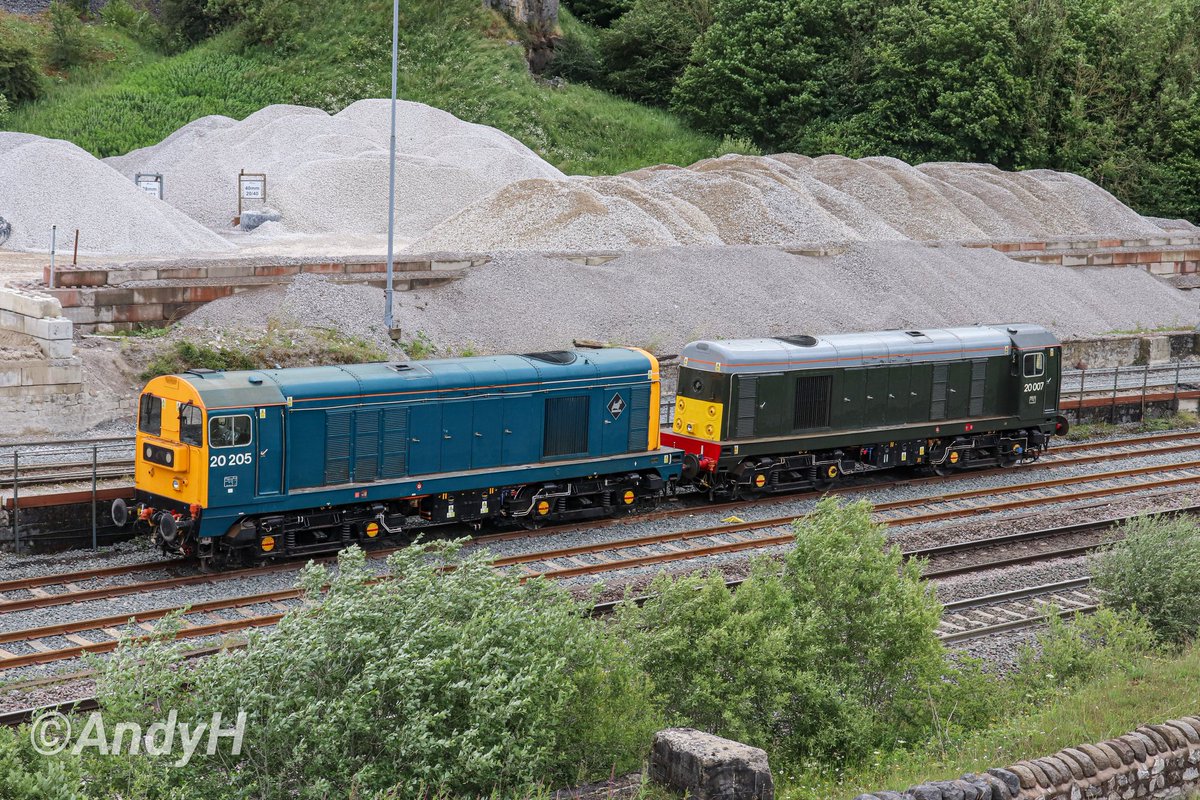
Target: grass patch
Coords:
[(1158, 688), (453, 55), (276, 349)]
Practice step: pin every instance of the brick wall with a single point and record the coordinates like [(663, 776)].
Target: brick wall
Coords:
[(1166, 255)]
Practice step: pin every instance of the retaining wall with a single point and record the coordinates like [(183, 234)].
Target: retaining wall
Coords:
[(125, 296), (1126, 350), (1166, 255), (1159, 761)]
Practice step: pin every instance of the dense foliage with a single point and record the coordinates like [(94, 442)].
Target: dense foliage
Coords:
[(1153, 568), (1105, 88), (19, 77), (836, 654)]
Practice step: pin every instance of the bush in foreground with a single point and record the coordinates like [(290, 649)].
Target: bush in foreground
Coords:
[(836, 655), (1153, 568), (433, 683)]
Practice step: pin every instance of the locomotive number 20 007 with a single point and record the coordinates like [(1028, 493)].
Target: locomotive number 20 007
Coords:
[(1035, 387), (235, 460)]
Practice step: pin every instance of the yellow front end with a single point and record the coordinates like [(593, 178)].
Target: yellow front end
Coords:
[(698, 418), (167, 466)]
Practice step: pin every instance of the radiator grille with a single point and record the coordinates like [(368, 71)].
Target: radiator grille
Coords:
[(566, 431), (747, 408), (812, 402), (337, 447)]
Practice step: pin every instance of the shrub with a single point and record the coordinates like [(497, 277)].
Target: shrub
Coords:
[(26, 775), (137, 21), (838, 654), (647, 49), (184, 355), (1075, 650), (1153, 569), (68, 38), (462, 682), (20, 80)]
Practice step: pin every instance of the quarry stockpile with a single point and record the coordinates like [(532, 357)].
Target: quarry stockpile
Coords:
[(329, 173), (661, 298), (789, 199), (45, 182)]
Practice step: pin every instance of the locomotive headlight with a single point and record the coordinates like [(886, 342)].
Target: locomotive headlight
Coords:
[(175, 484)]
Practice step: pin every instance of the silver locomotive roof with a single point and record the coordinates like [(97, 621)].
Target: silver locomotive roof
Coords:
[(863, 349)]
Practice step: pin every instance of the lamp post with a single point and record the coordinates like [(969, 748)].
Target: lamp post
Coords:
[(387, 295)]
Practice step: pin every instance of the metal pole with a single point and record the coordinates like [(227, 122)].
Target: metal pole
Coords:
[(53, 243), (16, 501), (1112, 411), (1175, 394), (1145, 384), (94, 464), (1082, 381), (388, 322), (75, 258)]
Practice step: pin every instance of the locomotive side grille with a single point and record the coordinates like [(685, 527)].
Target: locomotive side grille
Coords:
[(639, 423), (747, 408), (366, 446), (337, 447), (812, 402), (395, 443), (937, 404), (978, 387), (566, 432)]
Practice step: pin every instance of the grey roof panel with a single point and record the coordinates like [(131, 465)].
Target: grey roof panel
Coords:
[(861, 349)]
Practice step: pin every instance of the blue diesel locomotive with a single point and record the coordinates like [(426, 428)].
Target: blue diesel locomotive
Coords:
[(237, 466)]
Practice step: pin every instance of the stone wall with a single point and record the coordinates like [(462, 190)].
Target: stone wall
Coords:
[(1155, 761), (1128, 350), (126, 296), (1165, 255), (52, 368)]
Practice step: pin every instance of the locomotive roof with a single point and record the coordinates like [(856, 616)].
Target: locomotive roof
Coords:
[(863, 349), (249, 388)]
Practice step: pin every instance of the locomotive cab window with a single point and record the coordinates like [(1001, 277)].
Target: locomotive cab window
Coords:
[(191, 425), (229, 431), (150, 415), (1035, 365)]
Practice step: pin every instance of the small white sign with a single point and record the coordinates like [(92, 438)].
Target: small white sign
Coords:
[(150, 184), (254, 188)]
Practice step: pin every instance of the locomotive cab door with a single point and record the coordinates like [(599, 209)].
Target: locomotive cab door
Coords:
[(1034, 377), (269, 445)]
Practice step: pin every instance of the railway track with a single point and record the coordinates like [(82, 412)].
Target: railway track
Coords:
[(1004, 612), (246, 612), (726, 538)]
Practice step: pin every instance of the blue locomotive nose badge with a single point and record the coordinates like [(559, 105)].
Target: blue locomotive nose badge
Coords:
[(616, 406)]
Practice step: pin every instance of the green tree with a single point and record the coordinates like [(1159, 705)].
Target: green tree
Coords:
[(68, 38), (647, 49), (20, 80), (837, 654), (600, 13), (1153, 569)]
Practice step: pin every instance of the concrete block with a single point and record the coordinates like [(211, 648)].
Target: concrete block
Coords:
[(708, 767), (276, 270), (438, 265), (48, 328), (76, 277), (324, 269), (1100, 259), (1157, 241), (1069, 260), (1135, 258), (39, 374), (119, 276), (1163, 268), (57, 348), (147, 312), (10, 376), (231, 271), (81, 315), (29, 304)]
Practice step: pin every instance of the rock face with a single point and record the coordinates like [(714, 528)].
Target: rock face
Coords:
[(535, 13), (708, 767)]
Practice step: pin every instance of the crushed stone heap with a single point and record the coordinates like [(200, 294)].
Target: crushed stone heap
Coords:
[(45, 182), (328, 173), (788, 199)]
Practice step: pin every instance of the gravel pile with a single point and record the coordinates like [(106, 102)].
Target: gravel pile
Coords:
[(51, 182), (329, 173), (662, 298), (788, 199)]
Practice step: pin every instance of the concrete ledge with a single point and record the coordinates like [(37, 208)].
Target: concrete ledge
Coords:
[(708, 767), (39, 317)]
